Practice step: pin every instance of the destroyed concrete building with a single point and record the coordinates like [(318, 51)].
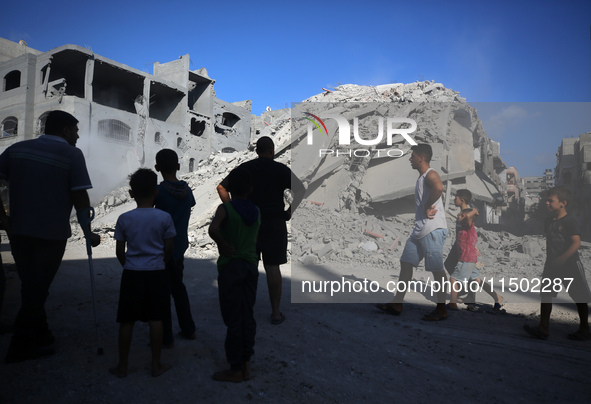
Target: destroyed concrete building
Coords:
[(126, 115), (534, 186), (366, 232), (514, 208), (463, 154), (573, 171)]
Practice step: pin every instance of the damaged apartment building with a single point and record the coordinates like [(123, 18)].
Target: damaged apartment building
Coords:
[(371, 179), (126, 115), (573, 171)]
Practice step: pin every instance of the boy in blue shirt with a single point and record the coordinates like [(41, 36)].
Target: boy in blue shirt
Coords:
[(145, 293), (234, 228), (176, 198)]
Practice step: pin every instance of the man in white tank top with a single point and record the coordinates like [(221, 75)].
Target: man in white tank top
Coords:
[(428, 236)]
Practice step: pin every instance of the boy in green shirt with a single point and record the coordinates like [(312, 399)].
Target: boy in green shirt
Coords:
[(234, 228)]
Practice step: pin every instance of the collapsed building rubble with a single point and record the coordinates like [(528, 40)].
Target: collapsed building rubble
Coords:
[(369, 233)]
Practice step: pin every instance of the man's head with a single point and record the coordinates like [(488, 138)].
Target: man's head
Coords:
[(239, 182), (167, 161), (265, 147), (421, 154), (62, 124), (557, 199), (143, 184), (462, 195)]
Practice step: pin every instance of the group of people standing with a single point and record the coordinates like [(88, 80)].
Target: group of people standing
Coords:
[(48, 176)]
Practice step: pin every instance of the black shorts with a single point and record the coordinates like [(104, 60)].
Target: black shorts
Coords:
[(144, 296), (578, 288), (272, 242)]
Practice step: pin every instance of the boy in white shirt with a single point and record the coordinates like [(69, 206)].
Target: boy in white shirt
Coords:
[(145, 284)]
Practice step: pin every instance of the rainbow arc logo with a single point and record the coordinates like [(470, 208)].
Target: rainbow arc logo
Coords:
[(316, 124)]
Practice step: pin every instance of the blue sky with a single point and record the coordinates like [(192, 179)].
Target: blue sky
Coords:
[(276, 53)]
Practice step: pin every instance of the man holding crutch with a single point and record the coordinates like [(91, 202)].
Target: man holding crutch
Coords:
[(47, 176)]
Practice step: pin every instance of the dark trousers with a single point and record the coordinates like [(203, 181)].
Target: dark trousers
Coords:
[(37, 261), (237, 288), (2, 284), (181, 302)]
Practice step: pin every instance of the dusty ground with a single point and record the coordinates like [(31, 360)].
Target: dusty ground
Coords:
[(322, 353)]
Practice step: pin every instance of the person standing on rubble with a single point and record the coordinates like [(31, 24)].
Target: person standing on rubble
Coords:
[(47, 176), (270, 180), (427, 238)]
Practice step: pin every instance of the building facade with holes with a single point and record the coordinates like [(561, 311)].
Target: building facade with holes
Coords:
[(573, 171), (126, 115)]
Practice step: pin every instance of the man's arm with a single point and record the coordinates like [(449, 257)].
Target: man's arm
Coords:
[(168, 247), (120, 252), (298, 190), (433, 181), (81, 202), (4, 219)]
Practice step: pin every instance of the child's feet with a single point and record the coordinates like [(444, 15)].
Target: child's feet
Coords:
[(119, 370), (185, 335), (580, 335), (158, 370), (234, 376), (246, 370), (535, 332), (453, 306)]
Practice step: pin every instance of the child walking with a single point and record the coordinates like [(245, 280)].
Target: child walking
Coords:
[(466, 239), (144, 294), (563, 266), (234, 228)]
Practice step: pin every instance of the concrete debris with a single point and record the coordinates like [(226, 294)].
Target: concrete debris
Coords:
[(360, 232)]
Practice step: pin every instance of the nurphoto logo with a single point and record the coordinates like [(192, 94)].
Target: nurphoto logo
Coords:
[(345, 129)]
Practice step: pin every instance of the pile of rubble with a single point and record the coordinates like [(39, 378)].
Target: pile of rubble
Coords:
[(354, 233)]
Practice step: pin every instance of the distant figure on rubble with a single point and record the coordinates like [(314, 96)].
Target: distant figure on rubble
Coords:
[(563, 270), (145, 238), (428, 236), (176, 198), (270, 180), (234, 228), (47, 176), (465, 271)]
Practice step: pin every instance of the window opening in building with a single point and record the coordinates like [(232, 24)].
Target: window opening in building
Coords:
[(197, 127), (115, 130), (12, 80), (157, 139), (191, 165), (40, 130), (9, 126)]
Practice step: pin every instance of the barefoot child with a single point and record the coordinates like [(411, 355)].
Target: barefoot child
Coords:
[(563, 266), (145, 292), (234, 228), (466, 238)]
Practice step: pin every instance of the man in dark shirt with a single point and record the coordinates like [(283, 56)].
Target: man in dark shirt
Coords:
[(270, 180), (47, 176)]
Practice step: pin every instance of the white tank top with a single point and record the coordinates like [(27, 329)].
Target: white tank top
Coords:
[(424, 225)]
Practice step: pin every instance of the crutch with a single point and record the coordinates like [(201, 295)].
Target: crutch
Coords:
[(84, 218)]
